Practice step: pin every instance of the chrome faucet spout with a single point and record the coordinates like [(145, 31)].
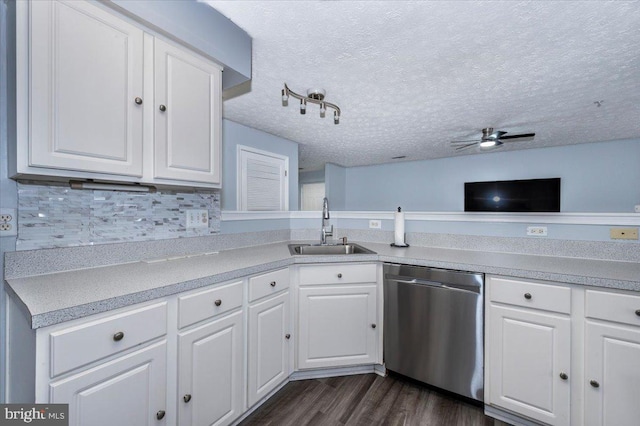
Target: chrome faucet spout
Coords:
[(326, 230)]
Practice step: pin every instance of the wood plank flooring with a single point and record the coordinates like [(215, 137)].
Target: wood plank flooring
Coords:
[(364, 400)]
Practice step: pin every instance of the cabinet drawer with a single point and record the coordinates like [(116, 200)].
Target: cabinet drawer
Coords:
[(269, 283), (609, 306), (209, 303), (338, 274), (546, 297), (80, 345)]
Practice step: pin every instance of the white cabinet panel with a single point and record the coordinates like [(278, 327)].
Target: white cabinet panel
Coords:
[(613, 365), (529, 352), (187, 116), (268, 349), (210, 373), (338, 326), (86, 71), (129, 390)]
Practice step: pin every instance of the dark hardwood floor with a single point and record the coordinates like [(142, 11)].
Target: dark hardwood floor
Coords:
[(364, 400)]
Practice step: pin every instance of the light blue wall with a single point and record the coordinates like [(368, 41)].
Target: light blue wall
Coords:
[(596, 177), (311, 177), (335, 186), (201, 27), (234, 134)]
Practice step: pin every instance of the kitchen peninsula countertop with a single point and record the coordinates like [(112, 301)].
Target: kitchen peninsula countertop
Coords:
[(54, 298)]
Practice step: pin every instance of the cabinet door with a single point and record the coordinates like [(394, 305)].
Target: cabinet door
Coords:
[(187, 116), (269, 337), (337, 326), (210, 373), (130, 390), (529, 356), (612, 363), (86, 72)]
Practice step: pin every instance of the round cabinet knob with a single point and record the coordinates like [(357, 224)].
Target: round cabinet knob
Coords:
[(373, 326), (287, 336), (339, 275), (272, 283), (163, 108), (138, 100), (638, 312), (527, 296), (218, 302), (160, 415), (564, 376), (187, 398), (594, 384), (118, 336)]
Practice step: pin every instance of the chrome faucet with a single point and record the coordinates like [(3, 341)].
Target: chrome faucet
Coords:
[(327, 230)]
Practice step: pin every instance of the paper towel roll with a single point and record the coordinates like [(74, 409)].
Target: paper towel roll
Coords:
[(399, 228)]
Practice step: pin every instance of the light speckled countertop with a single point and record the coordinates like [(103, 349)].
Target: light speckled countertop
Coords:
[(54, 298)]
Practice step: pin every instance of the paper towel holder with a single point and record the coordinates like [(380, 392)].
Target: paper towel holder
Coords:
[(405, 245)]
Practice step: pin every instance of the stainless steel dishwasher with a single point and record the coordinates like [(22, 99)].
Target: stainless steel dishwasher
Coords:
[(433, 327)]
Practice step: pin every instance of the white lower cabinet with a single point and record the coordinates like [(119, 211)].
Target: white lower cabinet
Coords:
[(612, 359), (269, 346), (130, 390), (337, 326), (210, 372)]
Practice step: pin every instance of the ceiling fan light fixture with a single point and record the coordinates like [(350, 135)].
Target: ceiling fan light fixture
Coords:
[(314, 96), (488, 143)]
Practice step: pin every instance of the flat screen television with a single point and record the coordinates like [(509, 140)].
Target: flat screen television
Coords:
[(532, 195)]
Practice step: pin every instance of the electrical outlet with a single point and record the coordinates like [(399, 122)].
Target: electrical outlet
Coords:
[(8, 222), (197, 218), (637, 208), (537, 231), (375, 224), (623, 233)]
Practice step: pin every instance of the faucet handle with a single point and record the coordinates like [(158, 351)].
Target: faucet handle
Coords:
[(344, 241)]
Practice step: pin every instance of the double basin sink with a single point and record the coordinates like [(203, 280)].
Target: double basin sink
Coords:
[(327, 249)]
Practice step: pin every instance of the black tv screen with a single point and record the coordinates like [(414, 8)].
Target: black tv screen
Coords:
[(533, 195)]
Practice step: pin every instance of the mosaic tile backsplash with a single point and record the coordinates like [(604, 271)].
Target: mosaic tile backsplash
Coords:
[(54, 215)]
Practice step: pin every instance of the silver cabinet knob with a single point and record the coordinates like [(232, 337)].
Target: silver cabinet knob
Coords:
[(339, 275), (527, 296), (638, 312), (218, 302), (163, 108), (287, 336), (187, 398), (564, 376), (594, 384), (138, 100), (160, 415), (272, 283), (373, 326), (118, 336)]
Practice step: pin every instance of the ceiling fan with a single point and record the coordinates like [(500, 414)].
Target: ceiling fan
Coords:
[(490, 139)]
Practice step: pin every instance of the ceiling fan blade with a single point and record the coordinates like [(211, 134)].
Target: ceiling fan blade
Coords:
[(497, 134), (522, 135), (463, 147), (464, 142)]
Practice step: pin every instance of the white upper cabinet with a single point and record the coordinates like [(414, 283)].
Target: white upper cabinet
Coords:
[(187, 116), (100, 97), (86, 72)]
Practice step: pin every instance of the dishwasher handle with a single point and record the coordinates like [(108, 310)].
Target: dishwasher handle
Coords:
[(435, 284)]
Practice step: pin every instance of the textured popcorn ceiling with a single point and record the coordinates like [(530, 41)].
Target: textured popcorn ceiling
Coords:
[(411, 76)]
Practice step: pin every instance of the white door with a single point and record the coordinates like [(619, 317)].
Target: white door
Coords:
[(612, 373), (130, 390), (187, 116), (312, 195), (337, 326), (263, 181), (529, 363), (210, 373), (86, 70), (269, 338)]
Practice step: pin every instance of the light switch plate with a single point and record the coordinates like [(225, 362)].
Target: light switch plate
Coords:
[(623, 233), (375, 224), (197, 218)]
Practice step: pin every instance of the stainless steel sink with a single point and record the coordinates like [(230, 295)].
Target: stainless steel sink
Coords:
[(329, 249)]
